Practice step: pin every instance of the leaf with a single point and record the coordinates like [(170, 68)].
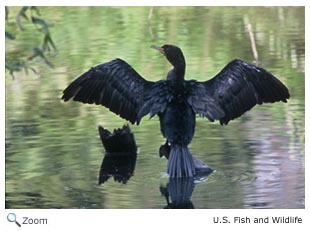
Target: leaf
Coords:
[(37, 52), (35, 9), (21, 13), (48, 40), (9, 35), (36, 20)]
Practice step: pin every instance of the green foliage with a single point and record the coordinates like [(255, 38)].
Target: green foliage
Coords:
[(17, 61)]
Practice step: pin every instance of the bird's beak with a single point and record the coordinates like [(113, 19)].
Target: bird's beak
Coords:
[(160, 49)]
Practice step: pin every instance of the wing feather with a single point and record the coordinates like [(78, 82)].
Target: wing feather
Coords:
[(115, 85), (240, 86), (237, 88)]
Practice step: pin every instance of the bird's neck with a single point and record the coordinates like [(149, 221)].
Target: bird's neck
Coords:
[(179, 69)]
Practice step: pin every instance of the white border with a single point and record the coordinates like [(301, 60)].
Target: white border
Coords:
[(158, 3)]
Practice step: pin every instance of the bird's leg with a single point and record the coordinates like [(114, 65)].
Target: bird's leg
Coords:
[(164, 150)]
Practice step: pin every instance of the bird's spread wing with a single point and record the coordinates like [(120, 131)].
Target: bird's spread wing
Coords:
[(156, 98), (115, 85), (237, 88), (202, 103)]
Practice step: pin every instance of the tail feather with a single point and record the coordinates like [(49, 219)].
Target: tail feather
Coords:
[(180, 163)]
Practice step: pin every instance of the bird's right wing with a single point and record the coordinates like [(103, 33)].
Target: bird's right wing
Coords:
[(237, 88), (115, 85)]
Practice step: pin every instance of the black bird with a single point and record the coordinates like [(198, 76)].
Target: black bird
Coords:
[(237, 88)]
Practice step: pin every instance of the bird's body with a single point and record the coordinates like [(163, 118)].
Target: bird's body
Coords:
[(177, 122), (228, 95)]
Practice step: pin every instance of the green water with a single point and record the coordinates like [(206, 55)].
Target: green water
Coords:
[(53, 152)]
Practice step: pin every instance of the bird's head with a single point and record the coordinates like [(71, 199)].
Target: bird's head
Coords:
[(173, 54)]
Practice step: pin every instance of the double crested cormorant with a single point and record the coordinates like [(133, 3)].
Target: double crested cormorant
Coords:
[(237, 88)]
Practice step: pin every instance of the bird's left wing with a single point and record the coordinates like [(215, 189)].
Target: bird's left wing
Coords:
[(237, 88), (115, 85)]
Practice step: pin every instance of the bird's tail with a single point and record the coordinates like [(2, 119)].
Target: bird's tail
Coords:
[(180, 162)]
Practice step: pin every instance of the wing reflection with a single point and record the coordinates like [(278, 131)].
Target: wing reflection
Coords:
[(120, 160), (120, 157)]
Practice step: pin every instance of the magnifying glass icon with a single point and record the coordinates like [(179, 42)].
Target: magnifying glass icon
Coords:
[(12, 218)]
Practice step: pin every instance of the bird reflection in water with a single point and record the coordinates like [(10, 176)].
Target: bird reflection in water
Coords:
[(120, 160), (120, 154), (178, 191)]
